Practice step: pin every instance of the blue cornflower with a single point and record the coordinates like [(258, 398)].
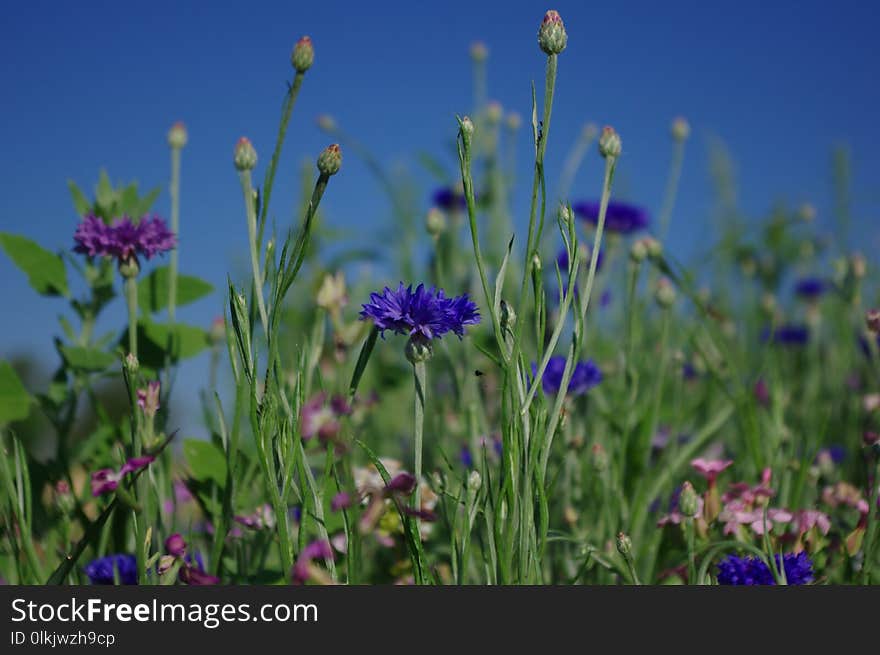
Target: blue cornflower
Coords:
[(620, 217), (735, 570), (450, 199), (835, 453), (424, 312), (810, 288), (105, 569), (465, 457), (586, 375), (787, 334)]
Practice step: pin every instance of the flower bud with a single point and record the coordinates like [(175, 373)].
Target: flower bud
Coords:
[(508, 316), (418, 349), (609, 142), (332, 295), (872, 318), (514, 121), (654, 248), (624, 544), (552, 38), (303, 55), (665, 294), (244, 157), (566, 216), (638, 251), (537, 266), (466, 129), (129, 268), (479, 51), (858, 265), (330, 160), (688, 501), (326, 122), (175, 545), (177, 136), (589, 131), (680, 129), (807, 213), (494, 112), (131, 364), (435, 222), (475, 481)]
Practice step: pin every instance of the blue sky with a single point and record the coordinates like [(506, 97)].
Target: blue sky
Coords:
[(91, 85)]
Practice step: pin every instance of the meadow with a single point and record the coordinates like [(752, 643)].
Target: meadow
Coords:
[(563, 404)]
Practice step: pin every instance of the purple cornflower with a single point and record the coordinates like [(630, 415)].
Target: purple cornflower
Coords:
[(620, 217), (795, 335), (425, 312), (106, 480), (586, 375), (123, 239), (304, 570), (175, 545), (810, 288), (449, 199), (105, 569), (735, 570)]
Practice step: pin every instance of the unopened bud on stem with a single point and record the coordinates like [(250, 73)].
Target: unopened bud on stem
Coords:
[(330, 160), (552, 38), (244, 156), (303, 55)]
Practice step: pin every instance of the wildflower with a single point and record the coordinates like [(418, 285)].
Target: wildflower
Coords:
[(790, 334), (330, 160), (479, 51), (425, 312), (148, 399), (320, 417), (680, 129), (106, 480), (609, 143), (304, 569), (106, 570), (620, 217), (262, 518), (303, 55), (513, 121), (175, 545), (177, 136), (332, 295), (244, 156), (735, 570), (193, 572), (552, 37), (435, 222), (465, 457), (585, 376), (761, 393), (807, 519), (494, 111), (872, 320), (811, 288), (124, 238), (450, 199), (683, 505), (710, 469), (340, 501), (665, 293)]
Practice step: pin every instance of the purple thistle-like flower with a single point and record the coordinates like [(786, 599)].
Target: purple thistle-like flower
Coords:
[(425, 312), (105, 569), (793, 335), (123, 238), (402, 483), (342, 500), (620, 217), (586, 375), (735, 570), (810, 288), (175, 545)]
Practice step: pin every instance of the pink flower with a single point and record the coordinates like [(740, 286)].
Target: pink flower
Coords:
[(806, 519), (106, 480), (710, 468), (148, 399)]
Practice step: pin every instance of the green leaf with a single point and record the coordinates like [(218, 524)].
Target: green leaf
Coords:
[(15, 401), (146, 202), (80, 202), (45, 270), (153, 290), (87, 359), (205, 460), (154, 339)]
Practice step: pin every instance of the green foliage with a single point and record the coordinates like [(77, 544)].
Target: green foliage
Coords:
[(15, 401), (205, 460), (45, 270), (153, 290)]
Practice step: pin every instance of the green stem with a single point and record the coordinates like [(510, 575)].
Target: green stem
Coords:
[(269, 182), (692, 562), (247, 189), (131, 299), (419, 377), (174, 190)]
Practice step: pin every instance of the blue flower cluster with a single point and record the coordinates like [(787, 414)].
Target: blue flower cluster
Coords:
[(735, 570), (425, 312), (620, 217), (105, 569), (585, 376)]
